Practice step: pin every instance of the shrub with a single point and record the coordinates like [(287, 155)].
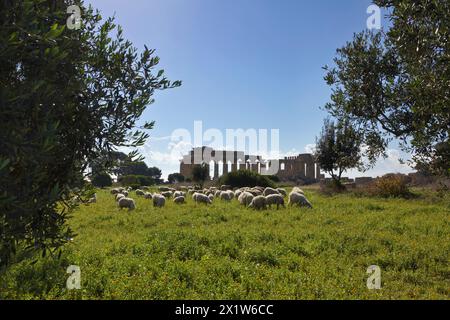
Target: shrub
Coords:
[(200, 173), (102, 180), (274, 178), (175, 178), (136, 181), (246, 178), (331, 187), (390, 185)]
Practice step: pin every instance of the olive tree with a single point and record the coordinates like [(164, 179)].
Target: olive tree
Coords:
[(67, 98), (395, 83), (338, 149)]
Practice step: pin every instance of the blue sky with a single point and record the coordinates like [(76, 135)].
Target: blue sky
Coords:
[(243, 63)]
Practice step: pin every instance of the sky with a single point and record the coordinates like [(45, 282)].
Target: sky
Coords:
[(250, 64)]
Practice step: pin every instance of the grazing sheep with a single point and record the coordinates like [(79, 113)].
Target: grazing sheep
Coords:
[(119, 196), (269, 191), (225, 187), (217, 193), (282, 191), (211, 197), (275, 199), (114, 191), (245, 198), (225, 195), (148, 195), (158, 200), (179, 200), (237, 193), (200, 197), (297, 190), (127, 203), (163, 189), (125, 192), (139, 192), (166, 194), (258, 203), (298, 199), (145, 188), (255, 192), (177, 194)]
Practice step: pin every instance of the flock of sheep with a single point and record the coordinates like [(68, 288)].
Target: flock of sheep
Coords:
[(258, 198)]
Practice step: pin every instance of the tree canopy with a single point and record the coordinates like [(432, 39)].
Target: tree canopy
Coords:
[(67, 98), (338, 148), (396, 83)]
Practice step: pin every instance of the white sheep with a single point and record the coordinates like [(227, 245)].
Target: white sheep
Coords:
[(258, 203), (269, 191), (139, 192), (200, 197), (255, 192), (179, 200), (127, 203), (282, 191), (166, 194), (245, 198), (211, 197), (114, 191), (225, 195), (148, 195), (119, 196), (298, 199), (179, 194), (158, 200), (275, 199), (297, 190), (163, 189)]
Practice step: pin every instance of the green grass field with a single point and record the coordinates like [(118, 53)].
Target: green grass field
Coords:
[(225, 251)]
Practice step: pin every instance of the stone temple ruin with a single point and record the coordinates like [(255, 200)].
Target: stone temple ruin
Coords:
[(297, 168)]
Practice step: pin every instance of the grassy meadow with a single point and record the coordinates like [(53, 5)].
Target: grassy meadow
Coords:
[(225, 251)]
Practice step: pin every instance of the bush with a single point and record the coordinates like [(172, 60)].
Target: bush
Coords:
[(390, 185), (331, 187), (136, 181), (245, 178), (274, 178), (102, 180), (175, 178)]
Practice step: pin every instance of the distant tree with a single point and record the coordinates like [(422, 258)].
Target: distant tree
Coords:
[(129, 167), (136, 181), (134, 168), (101, 180), (200, 173), (67, 97), (395, 83), (155, 173), (175, 177), (338, 148)]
